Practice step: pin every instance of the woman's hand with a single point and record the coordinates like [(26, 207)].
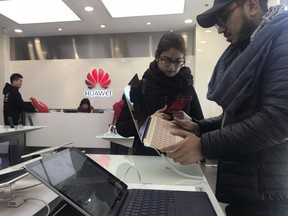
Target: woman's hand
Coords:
[(160, 114)]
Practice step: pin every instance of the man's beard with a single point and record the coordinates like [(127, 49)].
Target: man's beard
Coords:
[(247, 28)]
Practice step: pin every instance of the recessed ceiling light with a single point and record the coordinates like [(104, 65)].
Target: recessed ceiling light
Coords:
[(37, 11), (148, 23), (59, 29), (188, 21), (88, 9), (18, 30), (102, 26), (118, 8)]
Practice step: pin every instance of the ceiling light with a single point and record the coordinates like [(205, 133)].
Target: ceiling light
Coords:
[(18, 30), (89, 9), (132, 8), (148, 23), (102, 26), (59, 29), (37, 11), (188, 21)]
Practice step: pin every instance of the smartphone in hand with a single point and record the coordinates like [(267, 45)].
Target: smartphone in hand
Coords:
[(179, 103)]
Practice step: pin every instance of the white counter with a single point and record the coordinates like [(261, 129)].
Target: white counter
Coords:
[(80, 128), (149, 172), (116, 138)]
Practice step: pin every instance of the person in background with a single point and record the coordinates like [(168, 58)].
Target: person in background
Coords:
[(13, 104), (249, 82), (85, 106), (166, 78), (114, 147)]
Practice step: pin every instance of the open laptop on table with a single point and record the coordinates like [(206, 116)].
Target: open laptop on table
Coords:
[(154, 132), (92, 190)]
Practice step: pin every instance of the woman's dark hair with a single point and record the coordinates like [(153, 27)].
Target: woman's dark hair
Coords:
[(85, 101), (123, 97), (171, 40)]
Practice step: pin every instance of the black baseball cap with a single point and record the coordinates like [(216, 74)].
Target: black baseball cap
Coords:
[(208, 18)]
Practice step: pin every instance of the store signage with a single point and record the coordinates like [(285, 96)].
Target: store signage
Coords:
[(98, 83)]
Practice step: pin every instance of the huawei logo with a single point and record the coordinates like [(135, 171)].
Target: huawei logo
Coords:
[(98, 77)]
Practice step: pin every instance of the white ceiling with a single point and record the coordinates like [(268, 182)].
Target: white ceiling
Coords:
[(91, 21)]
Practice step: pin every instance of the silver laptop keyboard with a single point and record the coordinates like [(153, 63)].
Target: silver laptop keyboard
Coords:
[(162, 136), (149, 202)]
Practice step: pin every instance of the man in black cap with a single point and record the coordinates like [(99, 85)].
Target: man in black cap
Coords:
[(250, 83)]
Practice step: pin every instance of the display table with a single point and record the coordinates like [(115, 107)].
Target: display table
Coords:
[(136, 171), (16, 137), (116, 138), (7, 131), (80, 128)]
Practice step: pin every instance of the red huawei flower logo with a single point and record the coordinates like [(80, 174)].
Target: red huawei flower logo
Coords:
[(98, 77)]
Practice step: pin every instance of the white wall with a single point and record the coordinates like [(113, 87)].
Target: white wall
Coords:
[(209, 46), (4, 66), (61, 83)]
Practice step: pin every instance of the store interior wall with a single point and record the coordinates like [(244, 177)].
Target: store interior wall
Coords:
[(60, 83)]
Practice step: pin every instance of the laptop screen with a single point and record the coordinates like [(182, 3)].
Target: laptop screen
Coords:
[(137, 106), (80, 181)]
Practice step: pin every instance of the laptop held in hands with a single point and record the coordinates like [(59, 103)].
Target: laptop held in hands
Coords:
[(153, 131)]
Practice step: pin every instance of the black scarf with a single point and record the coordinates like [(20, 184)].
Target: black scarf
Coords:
[(235, 75), (177, 84)]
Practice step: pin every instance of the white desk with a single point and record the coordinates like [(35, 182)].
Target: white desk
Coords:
[(153, 171), (7, 131), (30, 207), (116, 138), (81, 128), (17, 134)]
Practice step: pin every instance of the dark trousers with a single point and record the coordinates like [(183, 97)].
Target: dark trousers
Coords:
[(265, 208), (118, 149)]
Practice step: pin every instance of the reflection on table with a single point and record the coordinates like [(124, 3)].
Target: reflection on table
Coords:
[(116, 138), (136, 171)]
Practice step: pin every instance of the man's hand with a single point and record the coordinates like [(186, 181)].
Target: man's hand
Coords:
[(181, 115), (187, 125), (187, 151)]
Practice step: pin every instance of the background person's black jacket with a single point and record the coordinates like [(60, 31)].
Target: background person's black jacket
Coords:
[(14, 104), (159, 90)]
